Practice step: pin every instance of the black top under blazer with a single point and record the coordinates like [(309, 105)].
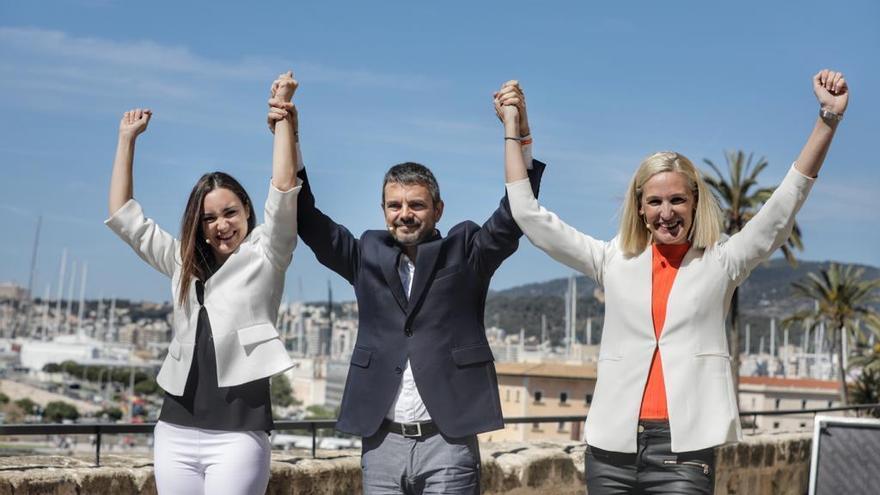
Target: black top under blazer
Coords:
[(439, 328)]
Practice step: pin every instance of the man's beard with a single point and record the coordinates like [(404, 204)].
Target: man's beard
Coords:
[(412, 238)]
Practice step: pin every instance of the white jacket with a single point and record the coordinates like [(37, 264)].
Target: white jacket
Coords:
[(703, 410), (241, 298)]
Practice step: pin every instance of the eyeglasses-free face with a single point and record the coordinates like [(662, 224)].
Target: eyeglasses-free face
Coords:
[(668, 206)]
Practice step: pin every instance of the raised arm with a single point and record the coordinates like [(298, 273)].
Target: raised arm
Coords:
[(772, 225), (284, 151), (334, 246), (133, 123), (279, 220), (499, 236), (127, 220), (543, 228), (832, 93), (510, 106)]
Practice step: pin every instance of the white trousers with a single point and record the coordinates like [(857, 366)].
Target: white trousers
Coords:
[(194, 461)]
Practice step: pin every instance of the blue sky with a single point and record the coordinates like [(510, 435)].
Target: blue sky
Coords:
[(386, 82)]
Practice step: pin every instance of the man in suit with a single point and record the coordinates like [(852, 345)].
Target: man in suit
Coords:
[(422, 382)]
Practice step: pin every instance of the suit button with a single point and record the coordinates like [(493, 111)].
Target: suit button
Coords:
[(398, 370), (408, 332)]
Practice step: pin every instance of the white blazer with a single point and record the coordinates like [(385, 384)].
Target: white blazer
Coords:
[(242, 297), (703, 410)]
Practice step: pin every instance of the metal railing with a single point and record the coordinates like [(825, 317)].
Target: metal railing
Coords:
[(99, 429)]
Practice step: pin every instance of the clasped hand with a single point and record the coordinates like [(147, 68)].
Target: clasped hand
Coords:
[(280, 105), (510, 106)]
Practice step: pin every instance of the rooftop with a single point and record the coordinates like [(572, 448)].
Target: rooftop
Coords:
[(779, 382), (547, 370)]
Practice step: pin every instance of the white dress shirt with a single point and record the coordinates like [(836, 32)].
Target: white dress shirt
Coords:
[(408, 406)]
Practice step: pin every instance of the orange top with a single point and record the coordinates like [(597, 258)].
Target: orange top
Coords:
[(666, 260)]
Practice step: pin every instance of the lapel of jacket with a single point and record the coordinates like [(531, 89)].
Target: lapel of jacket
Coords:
[(425, 261), (679, 285), (390, 258), (642, 286)]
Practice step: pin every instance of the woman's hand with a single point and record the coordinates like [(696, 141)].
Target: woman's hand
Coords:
[(134, 122), (280, 106), (284, 87), (833, 95), (283, 119), (509, 97), (831, 91)]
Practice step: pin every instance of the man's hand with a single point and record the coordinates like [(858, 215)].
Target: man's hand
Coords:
[(831, 91), (280, 106), (279, 110), (510, 116), (134, 122), (511, 94)]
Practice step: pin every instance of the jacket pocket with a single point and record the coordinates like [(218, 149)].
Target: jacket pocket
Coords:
[(361, 357), (256, 334), (609, 353), (610, 358), (447, 272), (472, 354), (713, 354), (174, 349)]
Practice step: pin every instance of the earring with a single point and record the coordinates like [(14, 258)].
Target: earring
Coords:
[(207, 241)]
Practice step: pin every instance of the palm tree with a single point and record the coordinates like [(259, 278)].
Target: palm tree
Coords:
[(867, 359), (740, 199), (866, 389), (842, 302)]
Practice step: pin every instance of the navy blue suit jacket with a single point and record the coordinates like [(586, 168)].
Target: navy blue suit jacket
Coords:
[(439, 327)]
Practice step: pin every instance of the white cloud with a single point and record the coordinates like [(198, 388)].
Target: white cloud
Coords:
[(142, 56), (51, 60)]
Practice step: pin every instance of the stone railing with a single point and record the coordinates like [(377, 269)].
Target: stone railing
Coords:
[(771, 464)]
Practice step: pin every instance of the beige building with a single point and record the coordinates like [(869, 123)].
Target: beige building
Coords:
[(768, 393), (12, 292), (309, 380), (543, 389)]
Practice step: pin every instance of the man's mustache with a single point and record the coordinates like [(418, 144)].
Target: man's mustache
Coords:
[(407, 223)]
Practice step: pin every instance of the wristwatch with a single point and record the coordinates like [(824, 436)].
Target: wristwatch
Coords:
[(828, 115)]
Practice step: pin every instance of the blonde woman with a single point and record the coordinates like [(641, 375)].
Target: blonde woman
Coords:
[(664, 394), (227, 278)]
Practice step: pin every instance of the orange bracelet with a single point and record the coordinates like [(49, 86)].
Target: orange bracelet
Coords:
[(524, 142)]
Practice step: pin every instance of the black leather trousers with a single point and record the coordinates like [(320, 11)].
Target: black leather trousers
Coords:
[(653, 469)]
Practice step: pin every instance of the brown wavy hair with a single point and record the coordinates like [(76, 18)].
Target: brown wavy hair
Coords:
[(197, 259)]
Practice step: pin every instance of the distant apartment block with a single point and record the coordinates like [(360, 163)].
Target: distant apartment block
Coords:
[(12, 292), (543, 389), (767, 393)]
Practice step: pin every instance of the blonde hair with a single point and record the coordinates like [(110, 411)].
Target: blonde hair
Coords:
[(706, 227)]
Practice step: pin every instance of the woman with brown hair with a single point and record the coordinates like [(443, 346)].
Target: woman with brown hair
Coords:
[(227, 279), (664, 391)]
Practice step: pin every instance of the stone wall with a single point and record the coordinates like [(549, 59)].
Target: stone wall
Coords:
[(768, 464)]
